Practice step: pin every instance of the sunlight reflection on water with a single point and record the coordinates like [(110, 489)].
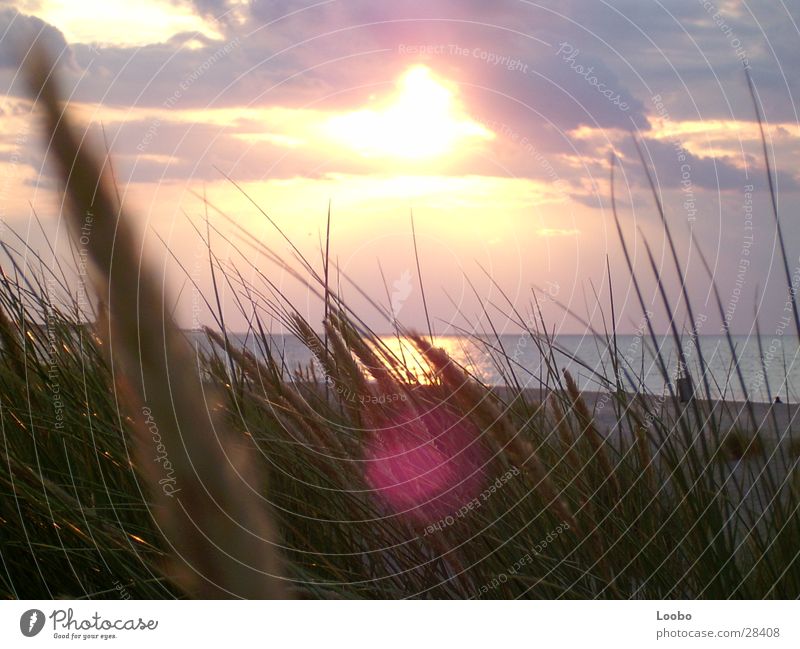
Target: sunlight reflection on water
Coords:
[(480, 359)]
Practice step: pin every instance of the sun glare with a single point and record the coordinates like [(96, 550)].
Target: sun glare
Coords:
[(424, 119)]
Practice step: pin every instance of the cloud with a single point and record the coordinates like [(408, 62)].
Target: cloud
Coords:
[(537, 74), (673, 167), (21, 32), (294, 52)]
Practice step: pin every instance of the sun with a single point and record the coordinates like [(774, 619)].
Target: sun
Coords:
[(424, 119)]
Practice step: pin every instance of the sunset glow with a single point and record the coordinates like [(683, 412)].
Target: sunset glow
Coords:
[(120, 22), (424, 119), (497, 143), (357, 300)]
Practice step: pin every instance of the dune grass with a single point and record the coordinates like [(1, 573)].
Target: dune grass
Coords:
[(272, 490)]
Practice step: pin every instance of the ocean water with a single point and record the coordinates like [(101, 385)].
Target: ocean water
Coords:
[(773, 370)]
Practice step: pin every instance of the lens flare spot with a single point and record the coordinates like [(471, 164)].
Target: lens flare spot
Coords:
[(426, 466)]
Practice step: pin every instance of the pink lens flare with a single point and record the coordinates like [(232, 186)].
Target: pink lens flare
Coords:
[(426, 466)]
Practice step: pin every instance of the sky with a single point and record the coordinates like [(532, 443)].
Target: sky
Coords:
[(493, 123)]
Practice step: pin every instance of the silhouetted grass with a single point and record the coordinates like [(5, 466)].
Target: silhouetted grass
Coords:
[(272, 464)]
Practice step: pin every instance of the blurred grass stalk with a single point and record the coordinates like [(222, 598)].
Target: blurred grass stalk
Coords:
[(209, 505)]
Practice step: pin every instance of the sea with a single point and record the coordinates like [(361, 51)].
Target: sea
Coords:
[(756, 372)]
